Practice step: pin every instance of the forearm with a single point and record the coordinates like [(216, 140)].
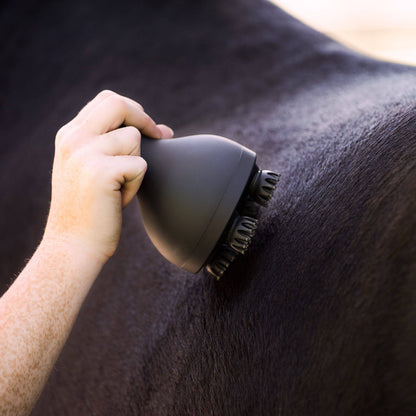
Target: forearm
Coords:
[(36, 317), (97, 171)]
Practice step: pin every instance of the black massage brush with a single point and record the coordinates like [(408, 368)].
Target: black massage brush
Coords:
[(200, 199)]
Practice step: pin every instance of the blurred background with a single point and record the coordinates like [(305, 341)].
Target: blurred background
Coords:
[(381, 28)]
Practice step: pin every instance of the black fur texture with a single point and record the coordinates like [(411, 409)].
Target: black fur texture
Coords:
[(319, 318)]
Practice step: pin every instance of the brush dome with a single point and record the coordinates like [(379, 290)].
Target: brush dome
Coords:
[(189, 193)]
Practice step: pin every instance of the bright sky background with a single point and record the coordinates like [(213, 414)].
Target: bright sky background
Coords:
[(383, 28)]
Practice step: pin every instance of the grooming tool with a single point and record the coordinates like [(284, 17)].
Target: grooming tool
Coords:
[(200, 199)]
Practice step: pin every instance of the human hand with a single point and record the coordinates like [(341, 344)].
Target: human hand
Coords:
[(97, 170)]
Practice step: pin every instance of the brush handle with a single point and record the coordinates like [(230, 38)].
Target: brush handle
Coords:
[(146, 146)]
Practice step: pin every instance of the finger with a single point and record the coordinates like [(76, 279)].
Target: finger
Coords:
[(98, 99), (129, 171), (114, 111), (122, 141), (85, 111), (167, 132)]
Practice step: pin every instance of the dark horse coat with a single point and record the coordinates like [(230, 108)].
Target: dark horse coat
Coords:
[(319, 318)]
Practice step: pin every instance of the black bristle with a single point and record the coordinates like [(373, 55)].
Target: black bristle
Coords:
[(241, 233), (220, 263), (263, 185), (242, 226)]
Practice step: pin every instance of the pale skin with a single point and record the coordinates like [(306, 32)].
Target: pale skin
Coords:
[(97, 171)]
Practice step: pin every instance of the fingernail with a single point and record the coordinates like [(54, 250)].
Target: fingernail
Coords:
[(171, 131)]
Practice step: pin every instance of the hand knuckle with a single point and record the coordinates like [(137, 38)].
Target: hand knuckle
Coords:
[(143, 164), (133, 131), (105, 93), (133, 140), (148, 120), (60, 134), (68, 142), (117, 103), (66, 146), (135, 148)]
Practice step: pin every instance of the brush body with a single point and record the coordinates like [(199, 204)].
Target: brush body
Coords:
[(189, 199)]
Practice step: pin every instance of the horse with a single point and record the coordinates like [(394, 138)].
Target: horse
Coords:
[(319, 317)]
